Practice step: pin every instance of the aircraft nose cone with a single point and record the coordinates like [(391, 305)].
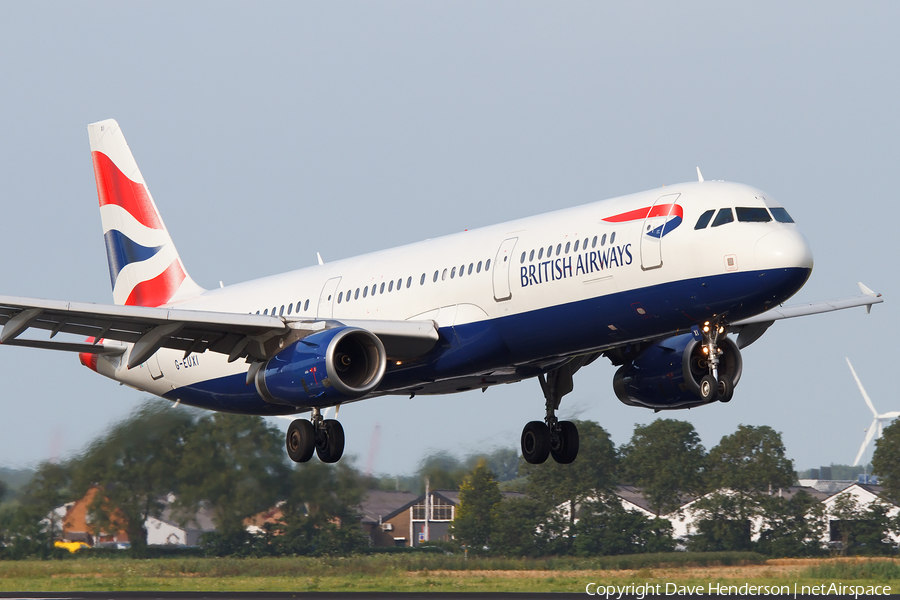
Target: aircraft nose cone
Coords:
[(785, 248)]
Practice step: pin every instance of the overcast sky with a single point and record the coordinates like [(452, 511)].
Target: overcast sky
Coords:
[(268, 132)]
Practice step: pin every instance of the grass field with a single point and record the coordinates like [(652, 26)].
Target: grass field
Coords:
[(437, 573)]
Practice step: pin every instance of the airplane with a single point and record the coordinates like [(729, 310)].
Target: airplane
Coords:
[(654, 281)]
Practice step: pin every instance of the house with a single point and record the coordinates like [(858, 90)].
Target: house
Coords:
[(164, 530), (77, 527), (406, 519), (864, 496), (167, 530)]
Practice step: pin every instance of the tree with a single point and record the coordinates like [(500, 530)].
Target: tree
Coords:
[(605, 528), (792, 526), (134, 465), (514, 527), (29, 529), (665, 459), (3, 489), (479, 496), (749, 462), (886, 461), (723, 523), (236, 464), (442, 470)]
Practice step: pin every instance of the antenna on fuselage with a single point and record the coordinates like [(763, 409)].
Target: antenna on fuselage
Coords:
[(699, 175), (319, 256)]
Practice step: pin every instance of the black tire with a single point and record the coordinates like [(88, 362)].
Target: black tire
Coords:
[(300, 440), (330, 442), (725, 390), (566, 448), (708, 388), (536, 442)]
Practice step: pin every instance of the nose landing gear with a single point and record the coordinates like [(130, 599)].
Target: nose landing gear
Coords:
[(325, 437), (714, 386)]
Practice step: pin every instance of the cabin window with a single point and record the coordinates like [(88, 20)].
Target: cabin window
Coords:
[(568, 245), (348, 295), (558, 249), (306, 305), (576, 245), (781, 215), (703, 221), (422, 280), (434, 279), (522, 260), (531, 256), (340, 297), (584, 244), (612, 238), (444, 275), (391, 286), (471, 265), (549, 251), (265, 312), (290, 306), (381, 289), (540, 254), (725, 216), (594, 242), (281, 312), (462, 270), (356, 294), (374, 287), (478, 269), (754, 214), (409, 281), (274, 310), (257, 312), (365, 291), (453, 273), (487, 266)]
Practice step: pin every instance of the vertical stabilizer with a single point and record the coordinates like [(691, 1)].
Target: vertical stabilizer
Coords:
[(144, 266)]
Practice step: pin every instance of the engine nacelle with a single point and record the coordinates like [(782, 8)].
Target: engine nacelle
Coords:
[(323, 369), (667, 374)]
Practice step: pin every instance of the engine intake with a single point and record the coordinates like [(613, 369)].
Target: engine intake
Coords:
[(667, 374), (324, 369)]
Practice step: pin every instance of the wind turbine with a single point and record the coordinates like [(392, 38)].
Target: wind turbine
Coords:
[(878, 422)]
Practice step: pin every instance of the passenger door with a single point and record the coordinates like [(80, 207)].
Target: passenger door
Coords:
[(651, 231), (502, 265), (326, 299)]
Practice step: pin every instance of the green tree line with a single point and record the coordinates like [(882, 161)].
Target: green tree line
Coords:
[(235, 467)]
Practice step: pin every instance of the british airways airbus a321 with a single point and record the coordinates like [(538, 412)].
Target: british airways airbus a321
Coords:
[(654, 281)]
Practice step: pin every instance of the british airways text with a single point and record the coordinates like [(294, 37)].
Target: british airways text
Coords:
[(587, 263)]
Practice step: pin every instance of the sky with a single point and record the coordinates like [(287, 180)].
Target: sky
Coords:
[(270, 131)]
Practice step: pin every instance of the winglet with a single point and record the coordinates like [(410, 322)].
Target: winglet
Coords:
[(322, 262), (865, 290), (699, 175)]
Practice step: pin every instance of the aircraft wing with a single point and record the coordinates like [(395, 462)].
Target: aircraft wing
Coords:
[(749, 330), (255, 337)]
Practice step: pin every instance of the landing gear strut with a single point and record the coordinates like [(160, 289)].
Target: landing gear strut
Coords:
[(552, 437), (324, 436), (713, 386)]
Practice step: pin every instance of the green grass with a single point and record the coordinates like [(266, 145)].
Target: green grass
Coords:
[(415, 573)]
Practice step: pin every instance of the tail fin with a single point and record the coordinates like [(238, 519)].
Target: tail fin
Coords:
[(144, 266)]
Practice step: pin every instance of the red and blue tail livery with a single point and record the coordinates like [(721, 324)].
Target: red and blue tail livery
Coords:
[(144, 266)]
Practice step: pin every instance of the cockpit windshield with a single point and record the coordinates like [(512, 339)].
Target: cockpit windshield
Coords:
[(754, 214)]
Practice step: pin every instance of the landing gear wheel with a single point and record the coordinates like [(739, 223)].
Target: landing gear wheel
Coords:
[(536, 442), (565, 449), (330, 441), (301, 440), (725, 390), (708, 388)]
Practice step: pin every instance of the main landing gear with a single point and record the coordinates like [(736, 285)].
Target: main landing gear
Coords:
[(712, 386), (324, 436), (552, 437)]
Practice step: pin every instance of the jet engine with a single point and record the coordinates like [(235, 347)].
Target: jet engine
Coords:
[(323, 369), (667, 374)]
